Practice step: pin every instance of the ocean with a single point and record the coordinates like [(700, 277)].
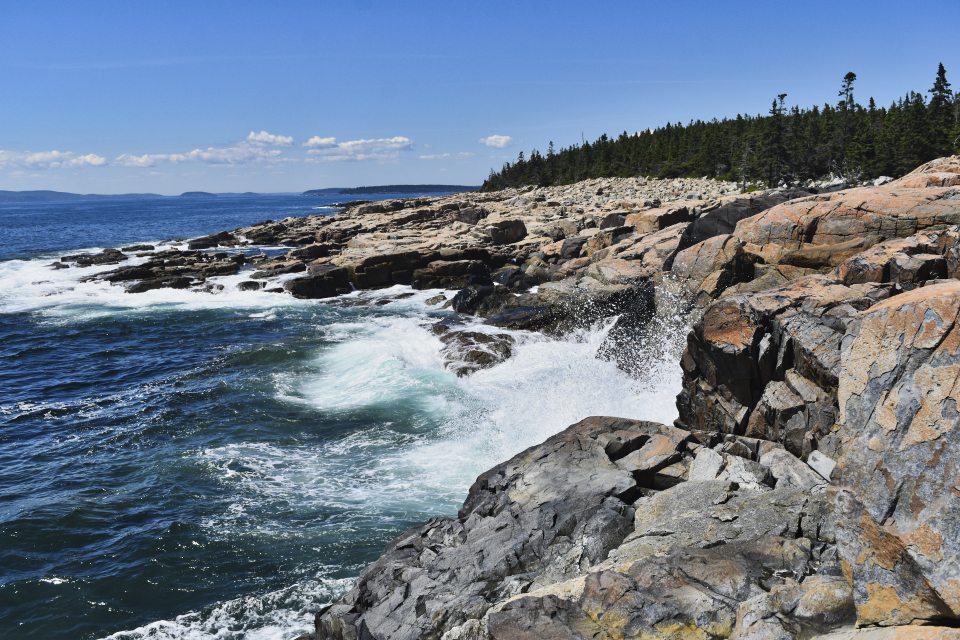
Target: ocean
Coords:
[(179, 464)]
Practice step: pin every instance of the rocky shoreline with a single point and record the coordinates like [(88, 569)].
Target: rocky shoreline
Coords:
[(810, 487)]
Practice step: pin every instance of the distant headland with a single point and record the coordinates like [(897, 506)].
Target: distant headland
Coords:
[(394, 189)]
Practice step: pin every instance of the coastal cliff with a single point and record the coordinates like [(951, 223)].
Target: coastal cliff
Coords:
[(809, 487)]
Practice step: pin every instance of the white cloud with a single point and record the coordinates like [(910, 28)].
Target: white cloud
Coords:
[(264, 137), (240, 153), (497, 141), (49, 159), (318, 142), (329, 150), (447, 156)]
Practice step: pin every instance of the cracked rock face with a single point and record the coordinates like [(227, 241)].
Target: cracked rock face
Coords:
[(766, 364), (599, 533), (900, 430), (546, 513)]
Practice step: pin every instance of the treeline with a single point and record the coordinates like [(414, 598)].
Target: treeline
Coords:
[(791, 145)]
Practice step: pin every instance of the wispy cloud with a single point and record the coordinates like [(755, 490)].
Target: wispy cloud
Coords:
[(49, 159), (327, 149), (258, 146), (240, 153), (496, 140), (447, 155)]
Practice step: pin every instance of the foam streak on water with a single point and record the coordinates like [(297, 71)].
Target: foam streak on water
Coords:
[(302, 438)]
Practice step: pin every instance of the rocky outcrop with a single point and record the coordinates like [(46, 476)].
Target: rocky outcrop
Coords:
[(598, 532), (808, 488), (840, 224)]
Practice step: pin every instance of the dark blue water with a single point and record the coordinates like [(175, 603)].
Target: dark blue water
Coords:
[(179, 464), (35, 228)]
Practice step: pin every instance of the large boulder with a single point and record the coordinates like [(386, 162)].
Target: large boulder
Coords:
[(722, 217), (222, 239), (906, 262), (709, 267), (660, 218), (506, 231)]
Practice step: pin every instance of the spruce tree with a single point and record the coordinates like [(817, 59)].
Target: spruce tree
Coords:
[(941, 116)]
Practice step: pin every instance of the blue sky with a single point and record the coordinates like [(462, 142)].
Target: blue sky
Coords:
[(169, 96)]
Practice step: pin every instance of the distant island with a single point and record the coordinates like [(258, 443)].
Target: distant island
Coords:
[(393, 188), (198, 194)]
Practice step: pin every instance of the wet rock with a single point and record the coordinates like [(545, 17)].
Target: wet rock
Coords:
[(451, 275), (384, 270), (222, 239), (322, 281), (514, 278), (171, 282), (138, 248), (466, 352), (523, 317), (469, 299), (310, 252), (107, 256), (250, 285), (277, 268)]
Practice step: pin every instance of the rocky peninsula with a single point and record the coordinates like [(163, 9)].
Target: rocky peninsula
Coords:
[(810, 487)]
